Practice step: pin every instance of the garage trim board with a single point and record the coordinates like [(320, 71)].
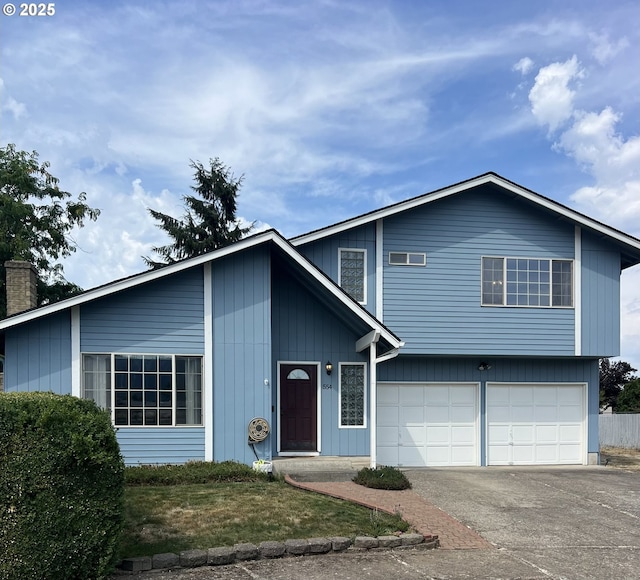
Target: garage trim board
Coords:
[(536, 423), (428, 424)]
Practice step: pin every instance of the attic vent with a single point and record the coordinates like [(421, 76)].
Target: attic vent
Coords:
[(407, 259)]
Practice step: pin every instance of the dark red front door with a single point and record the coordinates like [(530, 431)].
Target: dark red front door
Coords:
[(298, 407)]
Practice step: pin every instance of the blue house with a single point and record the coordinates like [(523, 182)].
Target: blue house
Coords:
[(460, 327)]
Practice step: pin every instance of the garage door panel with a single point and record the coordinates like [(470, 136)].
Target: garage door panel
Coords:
[(412, 456), (411, 396), (388, 436), (570, 453), (460, 414), (439, 414), (438, 434), (545, 413), (535, 424), (461, 434), (388, 416), (436, 425), (547, 434)]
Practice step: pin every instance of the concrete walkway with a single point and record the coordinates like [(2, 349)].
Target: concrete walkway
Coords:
[(426, 518)]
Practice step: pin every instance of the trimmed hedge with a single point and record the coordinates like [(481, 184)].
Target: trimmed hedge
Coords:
[(192, 472), (382, 478), (61, 488)]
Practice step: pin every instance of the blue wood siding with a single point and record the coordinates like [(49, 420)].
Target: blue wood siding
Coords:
[(165, 316), (324, 254), (528, 370), (38, 355), (600, 298), (305, 330), (152, 445), (241, 351), (436, 309)]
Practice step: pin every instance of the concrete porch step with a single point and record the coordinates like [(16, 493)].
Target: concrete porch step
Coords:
[(320, 464)]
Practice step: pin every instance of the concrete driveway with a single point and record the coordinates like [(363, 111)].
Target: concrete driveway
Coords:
[(556, 523), (560, 522)]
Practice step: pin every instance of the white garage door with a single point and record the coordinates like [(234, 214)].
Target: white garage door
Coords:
[(427, 424), (535, 424)]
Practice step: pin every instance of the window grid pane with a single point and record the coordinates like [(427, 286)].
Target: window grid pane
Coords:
[(352, 273), (147, 390), (528, 282), (352, 395)]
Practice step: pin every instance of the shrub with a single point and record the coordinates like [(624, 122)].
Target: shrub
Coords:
[(192, 472), (382, 478), (61, 488)]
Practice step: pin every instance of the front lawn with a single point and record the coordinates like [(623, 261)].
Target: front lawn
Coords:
[(248, 508)]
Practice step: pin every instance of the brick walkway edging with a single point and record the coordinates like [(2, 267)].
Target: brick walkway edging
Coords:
[(426, 519), (270, 550)]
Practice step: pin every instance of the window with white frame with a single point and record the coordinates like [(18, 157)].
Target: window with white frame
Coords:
[(352, 269), (145, 390), (407, 259), (352, 395), (527, 282)]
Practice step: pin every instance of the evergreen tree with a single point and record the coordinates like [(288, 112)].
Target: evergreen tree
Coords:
[(629, 399), (210, 220)]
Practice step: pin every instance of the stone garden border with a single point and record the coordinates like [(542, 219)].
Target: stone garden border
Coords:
[(270, 550)]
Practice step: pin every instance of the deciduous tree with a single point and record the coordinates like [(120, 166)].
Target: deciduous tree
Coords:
[(629, 398), (613, 376), (36, 219)]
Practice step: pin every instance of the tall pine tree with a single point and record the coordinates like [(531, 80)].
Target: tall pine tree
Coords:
[(210, 220)]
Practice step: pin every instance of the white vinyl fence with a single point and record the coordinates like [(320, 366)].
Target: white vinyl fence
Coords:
[(621, 430)]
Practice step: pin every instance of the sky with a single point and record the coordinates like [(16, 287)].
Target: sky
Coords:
[(329, 109)]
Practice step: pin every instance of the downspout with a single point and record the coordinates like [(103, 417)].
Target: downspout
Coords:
[(373, 365)]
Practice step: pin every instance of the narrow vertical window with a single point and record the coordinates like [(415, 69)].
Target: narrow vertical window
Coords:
[(492, 281), (352, 273), (352, 395)]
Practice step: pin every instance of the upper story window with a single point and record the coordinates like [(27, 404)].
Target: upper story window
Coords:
[(407, 259), (352, 272), (527, 282), (145, 390)]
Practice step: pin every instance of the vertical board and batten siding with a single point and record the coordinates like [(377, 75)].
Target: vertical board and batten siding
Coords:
[(503, 370), (324, 254), (241, 351), (620, 430), (437, 309), (304, 330), (600, 298), (38, 355), (165, 316)]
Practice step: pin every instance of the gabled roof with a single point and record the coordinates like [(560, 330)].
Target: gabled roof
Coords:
[(630, 245), (270, 236)]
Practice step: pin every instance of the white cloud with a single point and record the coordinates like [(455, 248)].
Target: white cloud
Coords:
[(551, 97), (603, 49), (524, 65)]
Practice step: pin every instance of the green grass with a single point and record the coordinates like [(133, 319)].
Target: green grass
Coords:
[(176, 517)]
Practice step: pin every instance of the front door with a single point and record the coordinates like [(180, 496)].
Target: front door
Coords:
[(298, 407)]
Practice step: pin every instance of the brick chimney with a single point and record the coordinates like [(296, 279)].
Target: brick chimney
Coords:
[(21, 286)]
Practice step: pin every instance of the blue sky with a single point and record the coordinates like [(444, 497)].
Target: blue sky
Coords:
[(329, 108)]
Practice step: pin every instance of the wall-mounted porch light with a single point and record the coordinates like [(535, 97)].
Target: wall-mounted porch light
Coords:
[(484, 366), (328, 367)]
